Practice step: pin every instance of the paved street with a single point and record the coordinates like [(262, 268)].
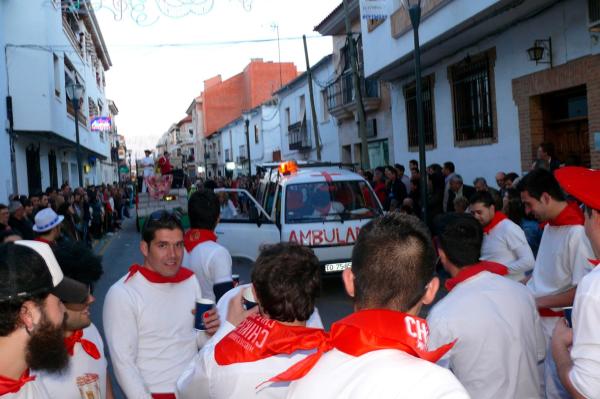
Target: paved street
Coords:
[(122, 250)]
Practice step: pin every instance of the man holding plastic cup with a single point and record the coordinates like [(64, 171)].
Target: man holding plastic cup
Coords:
[(149, 314), (576, 351)]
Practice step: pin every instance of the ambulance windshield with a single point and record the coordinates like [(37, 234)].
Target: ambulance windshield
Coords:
[(336, 200)]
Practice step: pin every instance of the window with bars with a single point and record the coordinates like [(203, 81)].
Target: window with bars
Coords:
[(473, 101), (410, 101)]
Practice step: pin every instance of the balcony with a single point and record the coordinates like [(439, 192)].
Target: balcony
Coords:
[(341, 99), (299, 136)]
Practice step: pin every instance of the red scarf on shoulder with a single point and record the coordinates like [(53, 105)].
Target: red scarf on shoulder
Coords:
[(469, 271), (498, 217), (8, 385), (88, 346), (194, 237), (153, 277), (572, 215)]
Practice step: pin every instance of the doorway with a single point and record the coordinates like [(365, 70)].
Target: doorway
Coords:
[(34, 173), (565, 119)]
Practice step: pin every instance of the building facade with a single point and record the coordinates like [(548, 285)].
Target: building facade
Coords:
[(61, 46), (499, 78)]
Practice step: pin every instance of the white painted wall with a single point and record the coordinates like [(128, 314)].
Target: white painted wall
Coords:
[(5, 171), (566, 23)]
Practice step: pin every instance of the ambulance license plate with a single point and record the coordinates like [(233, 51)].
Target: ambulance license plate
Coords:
[(337, 267)]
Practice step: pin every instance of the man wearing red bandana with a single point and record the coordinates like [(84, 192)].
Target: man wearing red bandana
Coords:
[(504, 241), (579, 370), (86, 374), (32, 291), (380, 351), (148, 319), (499, 339), (286, 281), (210, 261), (562, 259)]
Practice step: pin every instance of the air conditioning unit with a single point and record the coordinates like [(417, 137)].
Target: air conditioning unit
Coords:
[(594, 15)]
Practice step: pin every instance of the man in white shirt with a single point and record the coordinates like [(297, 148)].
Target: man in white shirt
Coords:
[(32, 288), (86, 374), (579, 371), (504, 241), (499, 339), (562, 259), (148, 314), (148, 165), (380, 351), (286, 281), (210, 261)]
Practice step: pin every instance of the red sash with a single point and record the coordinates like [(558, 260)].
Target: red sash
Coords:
[(88, 346), (498, 217), (194, 237), (163, 396), (8, 385), (153, 277), (473, 270), (370, 330), (572, 215), (258, 338)]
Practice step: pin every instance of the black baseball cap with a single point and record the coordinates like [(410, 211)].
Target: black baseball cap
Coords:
[(49, 277)]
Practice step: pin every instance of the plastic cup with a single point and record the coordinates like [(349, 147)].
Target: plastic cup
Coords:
[(203, 305), (248, 298)]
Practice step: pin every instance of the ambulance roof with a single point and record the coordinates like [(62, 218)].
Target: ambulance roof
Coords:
[(319, 174)]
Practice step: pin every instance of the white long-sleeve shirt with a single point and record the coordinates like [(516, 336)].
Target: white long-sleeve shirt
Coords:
[(150, 333), (506, 244), (83, 374), (585, 353), (499, 337), (211, 262), (380, 374)]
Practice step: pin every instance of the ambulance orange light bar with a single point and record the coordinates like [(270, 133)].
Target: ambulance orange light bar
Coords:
[(286, 168)]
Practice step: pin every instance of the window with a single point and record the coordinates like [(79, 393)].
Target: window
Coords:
[(302, 107), (57, 86), (410, 101), (287, 117), (92, 107), (594, 15), (472, 82), (325, 106), (256, 134)]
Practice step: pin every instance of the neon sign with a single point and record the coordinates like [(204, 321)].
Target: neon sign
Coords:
[(100, 124)]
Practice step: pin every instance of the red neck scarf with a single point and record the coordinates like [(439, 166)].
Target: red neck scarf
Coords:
[(194, 237), (498, 217), (572, 215), (41, 239), (257, 338), (88, 346), (8, 385), (469, 271), (594, 262), (370, 330), (182, 275)]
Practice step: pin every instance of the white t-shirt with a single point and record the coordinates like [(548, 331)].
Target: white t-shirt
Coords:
[(585, 353), (150, 333), (84, 377), (31, 390), (211, 263), (562, 260), (148, 164), (499, 337), (379, 374), (506, 244)]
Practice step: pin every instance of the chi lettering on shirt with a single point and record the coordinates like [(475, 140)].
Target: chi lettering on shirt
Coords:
[(150, 332), (585, 353), (506, 244), (499, 337), (85, 376), (28, 387)]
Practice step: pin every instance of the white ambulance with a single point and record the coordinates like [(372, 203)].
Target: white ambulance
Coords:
[(321, 205)]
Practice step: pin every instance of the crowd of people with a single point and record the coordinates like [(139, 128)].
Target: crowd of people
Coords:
[(83, 214), (502, 328)]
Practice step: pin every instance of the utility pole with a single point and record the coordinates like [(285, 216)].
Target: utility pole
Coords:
[(360, 110), (312, 101)]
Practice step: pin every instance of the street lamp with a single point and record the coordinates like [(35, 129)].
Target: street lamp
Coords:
[(247, 122), (414, 11), (75, 92)]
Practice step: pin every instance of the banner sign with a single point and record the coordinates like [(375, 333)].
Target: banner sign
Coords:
[(101, 124), (374, 9)]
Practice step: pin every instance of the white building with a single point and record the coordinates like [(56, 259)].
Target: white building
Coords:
[(48, 44), (295, 116), (341, 99), (487, 105)]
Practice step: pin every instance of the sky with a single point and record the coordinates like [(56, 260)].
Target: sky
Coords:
[(161, 57)]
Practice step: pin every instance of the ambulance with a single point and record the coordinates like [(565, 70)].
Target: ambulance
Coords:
[(320, 205)]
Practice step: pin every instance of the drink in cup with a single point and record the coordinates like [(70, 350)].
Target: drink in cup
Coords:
[(248, 298), (236, 279), (203, 305)]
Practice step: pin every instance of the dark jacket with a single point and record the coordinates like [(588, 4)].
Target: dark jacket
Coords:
[(467, 192)]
